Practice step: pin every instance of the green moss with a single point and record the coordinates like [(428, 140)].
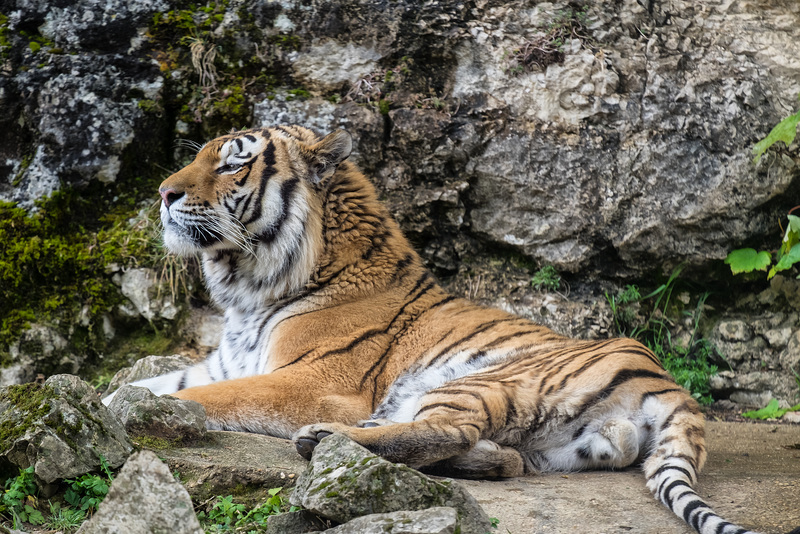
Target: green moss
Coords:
[(156, 444), (54, 265), (30, 401), (299, 93)]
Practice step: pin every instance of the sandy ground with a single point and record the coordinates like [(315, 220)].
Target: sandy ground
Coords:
[(752, 478)]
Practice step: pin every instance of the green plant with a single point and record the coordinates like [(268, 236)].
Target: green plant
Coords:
[(784, 131), (19, 499), (64, 518), (623, 307), (747, 260), (88, 491), (689, 363), (226, 515), (770, 411), (546, 278)]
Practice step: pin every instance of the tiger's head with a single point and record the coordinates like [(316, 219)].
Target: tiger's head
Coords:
[(253, 196)]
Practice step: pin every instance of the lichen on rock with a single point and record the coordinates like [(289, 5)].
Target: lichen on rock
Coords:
[(60, 427), (344, 481)]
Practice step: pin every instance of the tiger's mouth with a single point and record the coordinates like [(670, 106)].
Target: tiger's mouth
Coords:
[(185, 235)]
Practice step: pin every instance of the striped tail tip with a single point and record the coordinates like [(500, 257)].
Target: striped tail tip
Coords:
[(673, 485)]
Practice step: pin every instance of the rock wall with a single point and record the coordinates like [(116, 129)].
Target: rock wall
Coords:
[(610, 140)]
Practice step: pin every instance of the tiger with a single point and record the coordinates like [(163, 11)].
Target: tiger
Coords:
[(333, 324)]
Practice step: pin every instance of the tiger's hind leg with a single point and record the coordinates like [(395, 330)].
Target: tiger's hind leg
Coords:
[(610, 444), (486, 459)]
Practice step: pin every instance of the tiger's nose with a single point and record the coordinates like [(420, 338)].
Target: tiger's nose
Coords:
[(169, 195)]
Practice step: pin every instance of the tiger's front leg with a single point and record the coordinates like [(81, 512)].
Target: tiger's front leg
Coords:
[(277, 404), (448, 427), (416, 444)]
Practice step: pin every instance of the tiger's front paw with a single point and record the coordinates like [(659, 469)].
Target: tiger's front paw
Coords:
[(307, 438)]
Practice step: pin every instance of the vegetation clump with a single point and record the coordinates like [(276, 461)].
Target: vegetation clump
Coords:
[(690, 362), (225, 515), (547, 46)]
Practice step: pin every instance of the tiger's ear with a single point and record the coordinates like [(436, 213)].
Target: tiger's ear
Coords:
[(324, 156)]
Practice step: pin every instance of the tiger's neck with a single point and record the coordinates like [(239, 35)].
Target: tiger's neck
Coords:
[(365, 253)]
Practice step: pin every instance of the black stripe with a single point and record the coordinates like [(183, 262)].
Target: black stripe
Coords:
[(666, 497), (268, 157), (649, 394), (364, 336), (440, 405), (675, 467), (622, 377), (287, 188), (250, 138), (240, 183), (683, 407), (687, 513), (474, 333)]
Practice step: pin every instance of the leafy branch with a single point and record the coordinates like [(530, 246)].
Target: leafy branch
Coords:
[(747, 260)]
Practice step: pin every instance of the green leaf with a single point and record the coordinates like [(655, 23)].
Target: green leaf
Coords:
[(746, 260), (786, 261), (770, 411), (784, 131), (792, 235)]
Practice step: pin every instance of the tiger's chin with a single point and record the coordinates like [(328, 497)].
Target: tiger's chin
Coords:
[(181, 244)]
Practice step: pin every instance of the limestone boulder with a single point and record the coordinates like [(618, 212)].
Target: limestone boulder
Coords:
[(143, 413), (344, 481), (144, 498), (60, 427)]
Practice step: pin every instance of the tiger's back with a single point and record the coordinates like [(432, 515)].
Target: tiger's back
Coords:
[(334, 325)]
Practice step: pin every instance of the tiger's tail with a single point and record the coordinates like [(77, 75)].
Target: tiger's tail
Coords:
[(677, 456)]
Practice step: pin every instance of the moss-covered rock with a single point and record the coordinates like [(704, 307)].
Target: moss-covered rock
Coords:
[(142, 413), (344, 481), (60, 428)]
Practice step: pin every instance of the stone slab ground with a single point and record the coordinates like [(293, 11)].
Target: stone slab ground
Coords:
[(752, 477)]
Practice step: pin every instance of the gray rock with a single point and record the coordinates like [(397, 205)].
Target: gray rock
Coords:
[(299, 522), (61, 428), (40, 348), (144, 413), (225, 462), (437, 520), (144, 498), (344, 481), (147, 299), (84, 120), (147, 367)]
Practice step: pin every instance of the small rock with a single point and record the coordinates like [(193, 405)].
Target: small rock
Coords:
[(437, 520), (344, 481), (299, 522), (147, 367), (144, 498), (61, 428), (144, 413), (791, 417)]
